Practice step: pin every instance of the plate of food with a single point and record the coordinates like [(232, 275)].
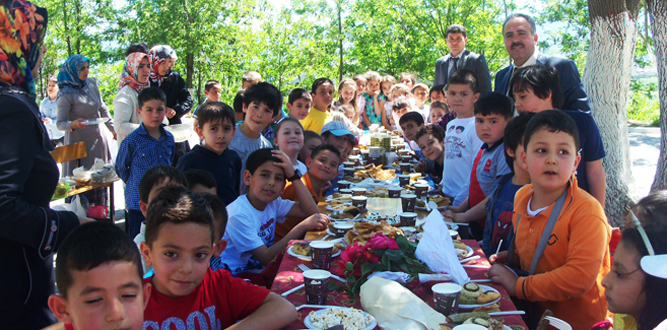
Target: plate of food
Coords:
[(350, 318), (95, 121), (375, 172), (475, 295), (301, 250), (478, 318)]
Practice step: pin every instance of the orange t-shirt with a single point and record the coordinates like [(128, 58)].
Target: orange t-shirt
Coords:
[(283, 228)]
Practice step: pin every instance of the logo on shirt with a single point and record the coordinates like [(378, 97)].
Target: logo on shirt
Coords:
[(487, 166), (196, 320)]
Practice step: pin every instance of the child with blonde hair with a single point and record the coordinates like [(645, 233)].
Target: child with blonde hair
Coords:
[(407, 78), (347, 95), (386, 83), (361, 82), (373, 112), (396, 91)]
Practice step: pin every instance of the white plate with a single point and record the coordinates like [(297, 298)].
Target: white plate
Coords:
[(469, 252), (291, 252), (484, 288), (309, 324), (441, 208), (339, 207), (95, 121)]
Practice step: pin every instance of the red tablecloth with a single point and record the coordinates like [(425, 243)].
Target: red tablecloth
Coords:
[(290, 276)]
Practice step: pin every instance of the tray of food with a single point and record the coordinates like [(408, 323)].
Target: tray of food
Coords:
[(349, 318)]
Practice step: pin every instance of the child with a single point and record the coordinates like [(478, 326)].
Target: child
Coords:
[(537, 88), (437, 94), (212, 90), (216, 128), (410, 123), (566, 277), (250, 79), (373, 112), (99, 278), (238, 107), (420, 91), (400, 107), (361, 82), (386, 83), (336, 133), (261, 102), (351, 114), (252, 217), (49, 111), (492, 112), (299, 102), (219, 223), (200, 181), (322, 168), (289, 139), (461, 141), (438, 111), (408, 79), (650, 208), (430, 140), (179, 244), (322, 91), (310, 141), (149, 145)]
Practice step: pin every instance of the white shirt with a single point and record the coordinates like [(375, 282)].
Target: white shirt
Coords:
[(461, 147), (532, 60)]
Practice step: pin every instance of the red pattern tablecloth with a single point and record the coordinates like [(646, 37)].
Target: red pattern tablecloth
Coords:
[(290, 276)]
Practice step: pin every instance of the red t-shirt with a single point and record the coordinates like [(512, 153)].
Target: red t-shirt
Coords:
[(217, 303)]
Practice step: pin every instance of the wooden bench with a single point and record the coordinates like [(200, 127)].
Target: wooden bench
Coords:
[(76, 151)]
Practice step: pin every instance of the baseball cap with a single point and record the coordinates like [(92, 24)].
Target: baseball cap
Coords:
[(655, 265), (338, 128)]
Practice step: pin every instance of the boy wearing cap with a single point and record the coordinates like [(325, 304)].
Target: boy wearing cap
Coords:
[(336, 133)]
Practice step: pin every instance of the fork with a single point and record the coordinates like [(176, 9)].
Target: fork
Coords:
[(558, 323), (305, 268)]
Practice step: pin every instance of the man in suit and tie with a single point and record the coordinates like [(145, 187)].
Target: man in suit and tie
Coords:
[(461, 58), (520, 35)]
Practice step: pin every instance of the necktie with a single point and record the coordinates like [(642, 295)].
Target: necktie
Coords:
[(454, 65)]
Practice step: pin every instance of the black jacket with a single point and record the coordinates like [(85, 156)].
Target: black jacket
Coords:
[(178, 96)]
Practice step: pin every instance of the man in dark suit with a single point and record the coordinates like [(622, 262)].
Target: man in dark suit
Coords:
[(461, 58), (519, 33)]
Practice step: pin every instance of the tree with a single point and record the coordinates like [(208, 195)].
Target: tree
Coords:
[(613, 40), (658, 11)]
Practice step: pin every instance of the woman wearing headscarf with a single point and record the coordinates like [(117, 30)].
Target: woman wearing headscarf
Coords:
[(133, 80), (30, 232), (179, 100)]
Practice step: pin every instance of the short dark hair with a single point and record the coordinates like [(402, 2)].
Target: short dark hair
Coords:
[(323, 147), (494, 103), (456, 28), (210, 84), (157, 174), (542, 79), (307, 135), (137, 47), (440, 105), (400, 103), (219, 211), (413, 116), (287, 120), (513, 136), (652, 208), (214, 112), (91, 245), (435, 130), (319, 82), (177, 205), (259, 157), (297, 94), (264, 93), (149, 94), (533, 28), (200, 177), (438, 88), (238, 101), (464, 77), (554, 121)]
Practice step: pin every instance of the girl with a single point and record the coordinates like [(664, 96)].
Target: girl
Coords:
[(347, 95), (386, 84), (289, 139), (396, 91), (361, 82), (374, 110), (408, 79)]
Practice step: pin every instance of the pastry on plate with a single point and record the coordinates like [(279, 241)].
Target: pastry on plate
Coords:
[(488, 297), (301, 248), (470, 293)]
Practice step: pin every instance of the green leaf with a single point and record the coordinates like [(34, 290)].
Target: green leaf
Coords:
[(366, 268)]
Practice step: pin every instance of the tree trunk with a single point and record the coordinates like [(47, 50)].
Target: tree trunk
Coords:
[(67, 38), (607, 81), (658, 11), (190, 65), (339, 4)]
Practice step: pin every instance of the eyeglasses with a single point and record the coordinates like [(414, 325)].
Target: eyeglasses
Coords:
[(642, 233)]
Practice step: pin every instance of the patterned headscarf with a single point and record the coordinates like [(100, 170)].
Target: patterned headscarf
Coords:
[(129, 75), (157, 55), (22, 29), (68, 77)]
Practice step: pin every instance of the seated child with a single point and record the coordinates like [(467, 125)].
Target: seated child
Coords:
[(149, 145), (361, 81), (431, 141), (350, 113), (289, 139), (337, 134), (220, 223), (252, 217), (299, 102), (407, 79), (261, 103), (386, 83), (200, 181), (400, 107), (216, 128), (437, 94), (99, 279), (566, 276), (410, 123), (420, 91), (347, 100), (323, 93), (322, 168), (212, 90), (179, 243), (373, 112), (492, 112), (399, 90), (438, 111), (310, 141)]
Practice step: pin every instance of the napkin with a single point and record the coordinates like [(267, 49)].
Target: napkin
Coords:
[(436, 249), (396, 308)]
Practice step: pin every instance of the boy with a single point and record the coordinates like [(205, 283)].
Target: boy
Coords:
[(492, 112), (179, 244), (336, 133), (410, 123), (298, 103), (400, 107), (323, 93), (219, 223), (437, 94), (438, 110), (322, 168), (250, 79), (99, 278), (212, 90), (216, 128), (537, 88), (49, 111), (461, 140), (200, 181), (252, 217), (420, 91), (566, 277), (261, 102), (430, 140), (238, 107), (310, 141), (149, 145)]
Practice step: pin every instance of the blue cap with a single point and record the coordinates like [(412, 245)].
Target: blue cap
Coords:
[(338, 128)]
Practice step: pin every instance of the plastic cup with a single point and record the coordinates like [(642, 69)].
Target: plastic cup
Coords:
[(359, 202), (408, 202), (358, 191), (454, 234), (343, 184), (405, 167), (317, 286), (364, 154), (406, 157), (341, 228), (344, 191), (421, 189), (321, 252), (408, 219), (403, 179), (394, 192), (446, 298), (348, 171)]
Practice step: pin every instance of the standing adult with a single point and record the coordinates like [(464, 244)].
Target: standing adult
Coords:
[(30, 232), (133, 80), (520, 35), (461, 58)]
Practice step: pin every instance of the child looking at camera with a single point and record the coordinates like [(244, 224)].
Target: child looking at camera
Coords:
[(289, 139), (299, 102), (322, 91)]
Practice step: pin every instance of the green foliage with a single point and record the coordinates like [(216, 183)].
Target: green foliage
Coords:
[(644, 104)]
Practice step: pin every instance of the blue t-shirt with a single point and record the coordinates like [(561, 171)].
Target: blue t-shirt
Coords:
[(499, 210), (592, 148), (225, 168)]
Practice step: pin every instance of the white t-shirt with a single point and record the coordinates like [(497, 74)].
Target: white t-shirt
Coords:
[(461, 147), (248, 229), (303, 169)]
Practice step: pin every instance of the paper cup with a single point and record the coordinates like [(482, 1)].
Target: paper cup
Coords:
[(358, 191), (394, 192), (341, 228), (364, 155), (408, 202), (403, 179), (408, 219), (406, 157), (321, 252), (359, 202), (348, 171), (454, 234), (446, 298), (355, 151), (317, 286), (342, 184), (405, 167), (344, 191), (421, 189)]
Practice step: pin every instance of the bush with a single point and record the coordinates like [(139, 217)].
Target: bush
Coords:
[(644, 104)]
